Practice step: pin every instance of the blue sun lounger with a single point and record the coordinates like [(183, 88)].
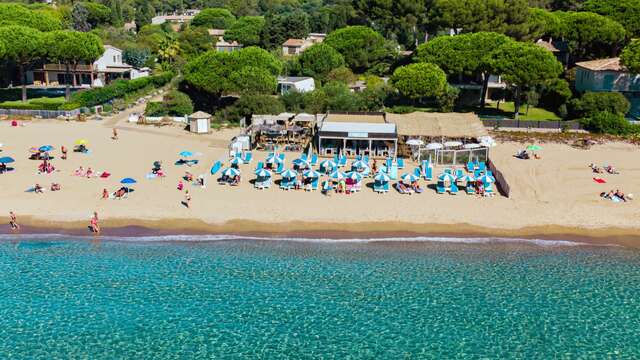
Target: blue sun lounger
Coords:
[(470, 190), (314, 184), (459, 174), (417, 172), (280, 167), (440, 188), (488, 189), (428, 175), (482, 166), (260, 165), (393, 172), (216, 167), (342, 162), (248, 156), (314, 159), (400, 163), (454, 189), (470, 166), (286, 184)]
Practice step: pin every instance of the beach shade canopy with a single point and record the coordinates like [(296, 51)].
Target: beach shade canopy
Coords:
[(409, 178), (467, 178), (236, 161), (328, 164), (6, 160), (312, 174), (434, 146), (337, 174), (301, 162), (231, 172), (534, 147), (447, 177), (46, 148), (415, 142), (353, 175), (185, 154), (486, 179), (128, 181), (34, 150), (472, 146), (263, 173), (359, 164), (273, 158), (382, 177), (452, 143), (289, 174), (81, 142)]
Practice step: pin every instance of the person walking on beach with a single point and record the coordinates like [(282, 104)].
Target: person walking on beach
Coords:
[(13, 222), (187, 199), (64, 152), (95, 228), (115, 134)]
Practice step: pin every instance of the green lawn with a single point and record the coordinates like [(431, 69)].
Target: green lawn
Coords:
[(42, 103), (507, 109)]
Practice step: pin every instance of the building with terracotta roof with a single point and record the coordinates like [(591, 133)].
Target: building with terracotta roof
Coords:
[(293, 47)]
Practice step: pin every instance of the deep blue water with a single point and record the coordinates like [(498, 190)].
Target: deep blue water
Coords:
[(64, 298)]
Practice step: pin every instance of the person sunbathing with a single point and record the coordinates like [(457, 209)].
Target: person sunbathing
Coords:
[(416, 187), (180, 185), (3, 168), (403, 188), (620, 194), (611, 170), (522, 155), (188, 176), (89, 172), (79, 171), (55, 187), (105, 194), (37, 189), (236, 180)]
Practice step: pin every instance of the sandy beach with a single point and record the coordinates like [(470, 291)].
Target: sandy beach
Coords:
[(552, 196)]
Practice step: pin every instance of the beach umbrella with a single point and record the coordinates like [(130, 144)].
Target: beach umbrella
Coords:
[(472, 146), (128, 181), (467, 178), (81, 142), (273, 158), (337, 174), (415, 142), (409, 178), (263, 173), (34, 150), (434, 146), (6, 160), (534, 147), (46, 148), (359, 164), (231, 172), (185, 154), (382, 177), (301, 162), (311, 174), (236, 161), (328, 164), (447, 177), (289, 174), (487, 141), (452, 143), (486, 179), (353, 175)]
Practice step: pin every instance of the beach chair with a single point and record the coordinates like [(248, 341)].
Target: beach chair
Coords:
[(384, 169), (477, 173), (393, 172), (267, 184), (357, 187), (385, 187), (342, 162), (216, 167), (366, 172), (281, 156), (470, 189), (417, 172), (400, 162), (482, 166), (429, 173), (378, 186), (280, 167), (389, 163), (470, 166), (248, 156), (314, 159), (260, 165), (366, 159), (488, 190), (285, 184), (314, 184), (459, 174), (453, 190), (440, 189)]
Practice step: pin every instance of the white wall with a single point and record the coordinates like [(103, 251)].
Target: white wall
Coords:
[(305, 85), (111, 57)]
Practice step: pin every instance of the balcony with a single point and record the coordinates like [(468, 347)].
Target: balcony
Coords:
[(62, 67)]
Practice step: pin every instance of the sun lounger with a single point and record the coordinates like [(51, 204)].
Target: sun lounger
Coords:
[(379, 186), (429, 173), (216, 167), (453, 190), (280, 167), (260, 165), (470, 166), (286, 185), (400, 162), (488, 190), (482, 166), (389, 163), (459, 173), (357, 187), (417, 172), (314, 184), (440, 189), (366, 172), (470, 190), (342, 162), (247, 157), (327, 186), (314, 159), (393, 172)]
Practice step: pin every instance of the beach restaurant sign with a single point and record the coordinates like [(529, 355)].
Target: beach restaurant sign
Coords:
[(362, 135)]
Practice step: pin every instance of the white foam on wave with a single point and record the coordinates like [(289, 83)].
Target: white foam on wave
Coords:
[(231, 237)]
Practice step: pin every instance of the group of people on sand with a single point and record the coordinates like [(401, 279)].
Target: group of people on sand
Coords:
[(38, 189), (616, 194), (524, 155), (605, 169), (46, 167), (231, 180), (89, 173)]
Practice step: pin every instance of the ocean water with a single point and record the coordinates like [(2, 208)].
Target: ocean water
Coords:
[(64, 298)]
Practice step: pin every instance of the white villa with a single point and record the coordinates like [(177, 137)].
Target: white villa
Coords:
[(299, 84), (101, 72)]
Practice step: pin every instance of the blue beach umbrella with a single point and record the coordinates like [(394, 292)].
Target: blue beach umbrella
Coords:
[(289, 174), (263, 173), (337, 175), (353, 176), (468, 178), (301, 162), (273, 159), (382, 177), (6, 160), (486, 179), (46, 148), (311, 174), (185, 154), (231, 172), (359, 164), (128, 181), (236, 161), (328, 164), (447, 177), (409, 178)]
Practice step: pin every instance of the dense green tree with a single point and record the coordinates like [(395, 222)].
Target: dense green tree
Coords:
[(253, 80), (246, 30), (23, 45), (315, 102), (447, 99), (590, 35), (15, 14), (626, 12), (555, 93), (177, 103), (144, 13), (342, 74), (360, 46), (541, 23), (194, 41), (280, 27), (214, 18), (593, 102), (603, 122), (98, 14), (152, 36), (72, 48), (524, 65), (420, 80), (251, 104), (80, 18), (136, 57), (333, 16), (397, 20), (318, 60), (340, 98), (630, 56)]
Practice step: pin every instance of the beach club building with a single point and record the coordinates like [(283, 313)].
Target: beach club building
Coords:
[(353, 134)]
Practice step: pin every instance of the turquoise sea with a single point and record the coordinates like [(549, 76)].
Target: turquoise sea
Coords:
[(175, 297)]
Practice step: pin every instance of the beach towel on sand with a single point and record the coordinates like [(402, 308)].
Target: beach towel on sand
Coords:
[(599, 180)]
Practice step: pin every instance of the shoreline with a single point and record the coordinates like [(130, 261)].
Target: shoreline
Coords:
[(626, 237)]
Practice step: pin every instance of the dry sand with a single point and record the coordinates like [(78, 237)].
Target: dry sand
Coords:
[(554, 195)]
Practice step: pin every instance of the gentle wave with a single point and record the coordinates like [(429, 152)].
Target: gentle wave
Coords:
[(231, 237)]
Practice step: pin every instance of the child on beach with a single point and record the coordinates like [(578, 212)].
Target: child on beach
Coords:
[(180, 185), (187, 199), (105, 194), (95, 228), (64, 152), (13, 222)]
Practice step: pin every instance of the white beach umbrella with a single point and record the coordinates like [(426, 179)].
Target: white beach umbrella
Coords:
[(472, 146), (337, 174), (263, 173), (328, 164), (486, 179), (236, 161), (447, 177), (311, 174), (409, 178), (273, 158), (468, 178), (289, 174), (415, 142), (452, 143), (231, 172), (434, 146), (353, 175), (382, 177), (487, 141), (359, 164)]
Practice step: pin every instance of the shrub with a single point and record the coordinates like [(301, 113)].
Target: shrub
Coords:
[(593, 102), (34, 104), (155, 109), (175, 103), (603, 122), (117, 89)]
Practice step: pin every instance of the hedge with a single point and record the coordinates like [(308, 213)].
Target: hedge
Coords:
[(117, 89), (34, 104)]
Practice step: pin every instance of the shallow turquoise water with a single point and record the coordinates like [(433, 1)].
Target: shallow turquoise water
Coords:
[(272, 299)]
